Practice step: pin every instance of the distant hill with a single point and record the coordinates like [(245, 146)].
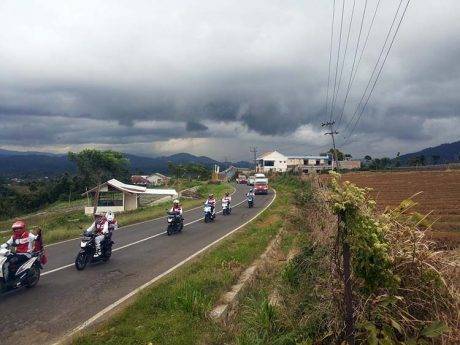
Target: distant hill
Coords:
[(445, 153), (37, 164)]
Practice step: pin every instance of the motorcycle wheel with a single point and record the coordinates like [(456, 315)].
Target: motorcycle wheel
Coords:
[(33, 278), (181, 226), (169, 230), (206, 219), (107, 254), (81, 261)]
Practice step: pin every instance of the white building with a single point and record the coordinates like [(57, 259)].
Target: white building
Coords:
[(117, 196), (276, 161), (272, 161)]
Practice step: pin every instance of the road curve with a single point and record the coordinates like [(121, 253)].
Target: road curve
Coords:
[(65, 297)]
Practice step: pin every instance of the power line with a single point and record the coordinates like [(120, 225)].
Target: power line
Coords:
[(330, 57), (353, 65), (375, 68), (366, 40), (337, 61), (345, 52), (381, 67)]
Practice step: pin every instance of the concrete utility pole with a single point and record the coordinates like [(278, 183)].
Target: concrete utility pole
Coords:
[(254, 152), (332, 133)]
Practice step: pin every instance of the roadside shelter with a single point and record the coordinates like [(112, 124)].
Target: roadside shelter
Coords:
[(117, 196)]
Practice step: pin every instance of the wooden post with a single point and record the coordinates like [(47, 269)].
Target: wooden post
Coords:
[(347, 284)]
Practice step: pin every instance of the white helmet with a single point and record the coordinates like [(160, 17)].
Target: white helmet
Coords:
[(110, 216), (176, 201)]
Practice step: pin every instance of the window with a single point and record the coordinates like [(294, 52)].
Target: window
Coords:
[(269, 163)]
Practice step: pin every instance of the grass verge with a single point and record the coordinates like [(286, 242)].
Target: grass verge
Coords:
[(174, 311), (61, 226)]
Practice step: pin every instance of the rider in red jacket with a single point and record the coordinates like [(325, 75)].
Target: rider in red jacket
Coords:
[(24, 243)]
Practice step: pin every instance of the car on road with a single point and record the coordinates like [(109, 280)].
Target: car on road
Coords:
[(261, 187)]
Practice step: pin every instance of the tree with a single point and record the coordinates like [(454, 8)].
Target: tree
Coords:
[(338, 153), (435, 159), (94, 166), (367, 158)]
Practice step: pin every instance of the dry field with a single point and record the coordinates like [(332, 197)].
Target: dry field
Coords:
[(440, 195)]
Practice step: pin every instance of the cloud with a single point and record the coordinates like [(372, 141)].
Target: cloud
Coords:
[(154, 77), (195, 127)]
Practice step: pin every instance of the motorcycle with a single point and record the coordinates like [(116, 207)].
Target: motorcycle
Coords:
[(88, 253), (209, 215), (175, 223), (250, 201), (226, 209), (13, 277)]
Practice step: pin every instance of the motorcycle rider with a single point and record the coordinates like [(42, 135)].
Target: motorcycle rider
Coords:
[(100, 227), (226, 199), (176, 207), (211, 202), (250, 194), (23, 240)]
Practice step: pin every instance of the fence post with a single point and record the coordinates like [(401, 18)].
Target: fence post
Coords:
[(347, 283)]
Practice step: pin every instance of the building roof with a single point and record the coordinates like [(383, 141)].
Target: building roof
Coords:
[(308, 157), (266, 154), (129, 188)]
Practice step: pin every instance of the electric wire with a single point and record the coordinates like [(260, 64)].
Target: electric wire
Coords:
[(381, 67), (359, 105), (353, 65), (345, 53), (330, 57), (338, 59)]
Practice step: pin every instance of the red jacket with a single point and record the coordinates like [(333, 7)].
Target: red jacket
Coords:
[(24, 241)]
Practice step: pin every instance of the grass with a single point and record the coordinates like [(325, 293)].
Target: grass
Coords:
[(58, 226), (174, 310)]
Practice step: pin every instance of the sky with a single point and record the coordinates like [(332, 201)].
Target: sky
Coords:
[(215, 77)]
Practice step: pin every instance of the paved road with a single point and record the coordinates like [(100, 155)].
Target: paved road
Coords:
[(65, 297)]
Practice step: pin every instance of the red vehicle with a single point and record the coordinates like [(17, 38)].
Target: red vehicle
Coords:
[(261, 188)]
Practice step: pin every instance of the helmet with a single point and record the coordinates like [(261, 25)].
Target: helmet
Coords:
[(250, 190), (19, 226), (226, 193), (211, 195), (176, 202), (110, 216)]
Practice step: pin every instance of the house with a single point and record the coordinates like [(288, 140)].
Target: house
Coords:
[(310, 164), (155, 179), (272, 161), (117, 196), (276, 161)]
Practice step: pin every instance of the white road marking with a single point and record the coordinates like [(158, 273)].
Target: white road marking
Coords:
[(112, 306), (132, 243), (129, 225)]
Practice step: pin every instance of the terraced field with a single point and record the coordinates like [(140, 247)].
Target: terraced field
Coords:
[(440, 195)]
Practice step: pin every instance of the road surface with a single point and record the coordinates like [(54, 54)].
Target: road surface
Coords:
[(65, 298)]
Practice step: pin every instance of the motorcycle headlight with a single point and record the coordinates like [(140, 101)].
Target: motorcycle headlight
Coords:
[(169, 220), (83, 244)]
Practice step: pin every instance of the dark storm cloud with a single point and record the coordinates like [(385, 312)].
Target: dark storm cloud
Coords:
[(195, 127), (252, 71)]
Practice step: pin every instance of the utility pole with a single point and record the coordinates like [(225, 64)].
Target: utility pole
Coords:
[(332, 133), (254, 152)]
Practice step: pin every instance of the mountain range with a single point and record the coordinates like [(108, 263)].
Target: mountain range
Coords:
[(444, 153), (39, 164)]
